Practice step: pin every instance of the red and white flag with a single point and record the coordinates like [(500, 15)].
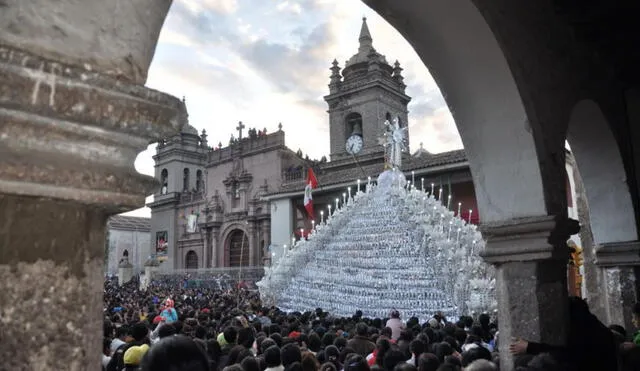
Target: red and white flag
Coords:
[(312, 183)]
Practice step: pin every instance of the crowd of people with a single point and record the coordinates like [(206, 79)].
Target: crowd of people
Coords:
[(172, 326)]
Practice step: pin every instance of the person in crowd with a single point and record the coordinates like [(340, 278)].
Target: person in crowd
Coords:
[(140, 336), (428, 362), (361, 343), (169, 313), (122, 337), (175, 353), (272, 359), (590, 344), (481, 365), (417, 347), (219, 325), (106, 352), (395, 324)]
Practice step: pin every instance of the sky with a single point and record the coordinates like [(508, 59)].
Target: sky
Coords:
[(265, 62)]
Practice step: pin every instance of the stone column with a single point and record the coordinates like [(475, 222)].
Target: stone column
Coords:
[(253, 243), (150, 270), (616, 263), (74, 114), (215, 246), (205, 249), (530, 256), (266, 228)]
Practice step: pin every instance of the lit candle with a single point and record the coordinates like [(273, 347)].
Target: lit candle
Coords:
[(313, 224), (470, 212), (440, 195), (432, 188), (449, 202), (358, 186), (344, 198), (301, 233), (422, 187), (337, 203), (349, 190), (329, 207), (459, 206), (322, 215), (368, 182), (413, 174)]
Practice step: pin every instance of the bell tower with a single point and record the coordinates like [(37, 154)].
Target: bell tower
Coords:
[(362, 96)]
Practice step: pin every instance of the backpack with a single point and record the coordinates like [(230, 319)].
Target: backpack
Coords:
[(117, 359)]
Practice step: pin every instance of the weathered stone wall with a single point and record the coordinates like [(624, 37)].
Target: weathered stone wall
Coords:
[(137, 243)]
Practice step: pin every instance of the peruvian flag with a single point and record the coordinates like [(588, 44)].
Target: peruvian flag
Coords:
[(312, 183)]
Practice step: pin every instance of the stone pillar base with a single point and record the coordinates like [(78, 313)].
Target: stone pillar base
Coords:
[(69, 135), (125, 274), (531, 258), (50, 275), (616, 264)]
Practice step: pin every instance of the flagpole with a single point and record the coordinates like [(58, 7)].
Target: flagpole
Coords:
[(359, 166)]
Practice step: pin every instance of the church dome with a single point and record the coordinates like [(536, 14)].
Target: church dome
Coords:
[(387, 248), (188, 129), (366, 51)]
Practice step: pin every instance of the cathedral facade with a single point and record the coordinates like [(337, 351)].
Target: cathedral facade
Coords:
[(210, 212)]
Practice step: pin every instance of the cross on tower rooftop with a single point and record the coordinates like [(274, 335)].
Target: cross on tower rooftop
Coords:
[(239, 128)]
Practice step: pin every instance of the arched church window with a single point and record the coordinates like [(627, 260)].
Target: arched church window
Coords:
[(125, 254), (199, 181), (191, 260), (353, 124), (238, 249), (185, 180), (388, 117), (164, 180)]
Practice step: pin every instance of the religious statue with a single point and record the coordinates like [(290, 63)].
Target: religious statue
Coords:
[(394, 143)]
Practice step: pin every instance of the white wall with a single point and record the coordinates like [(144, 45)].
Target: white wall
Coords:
[(281, 222)]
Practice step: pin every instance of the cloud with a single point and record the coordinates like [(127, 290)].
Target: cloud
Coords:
[(266, 62), (289, 7), (301, 69), (218, 6)]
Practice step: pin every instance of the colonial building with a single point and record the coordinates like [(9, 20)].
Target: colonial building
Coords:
[(209, 211), (128, 239)]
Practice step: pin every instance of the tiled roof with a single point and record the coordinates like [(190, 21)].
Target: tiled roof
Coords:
[(328, 175), (129, 223)]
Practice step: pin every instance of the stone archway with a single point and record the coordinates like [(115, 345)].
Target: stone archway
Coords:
[(191, 260), (237, 249), (522, 207), (602, 171), (611, 248), (450, 36)]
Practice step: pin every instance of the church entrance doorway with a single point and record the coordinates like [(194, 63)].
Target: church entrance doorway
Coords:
[(238, 247), (191, 260)]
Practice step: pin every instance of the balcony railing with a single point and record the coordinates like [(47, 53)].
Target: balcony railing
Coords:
[(187, 197)]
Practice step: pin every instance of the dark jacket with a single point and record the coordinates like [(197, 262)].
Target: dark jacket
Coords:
[(590, 344), (362, 345)]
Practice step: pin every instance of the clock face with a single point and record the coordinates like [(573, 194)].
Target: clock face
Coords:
[(354, 144)]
